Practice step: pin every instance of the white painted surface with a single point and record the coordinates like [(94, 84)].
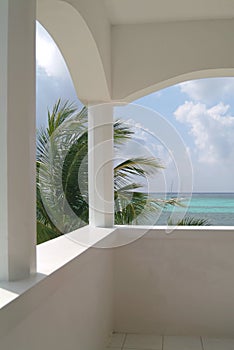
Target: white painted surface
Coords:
[(71, 308), (17, 139), (148, 11), (177, 284), (84, 41), (52, 256), (100, 171), (119, 51), (149, 57)]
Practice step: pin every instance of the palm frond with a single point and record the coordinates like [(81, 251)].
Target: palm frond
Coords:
[(122, 133), (191, 221), (139, 207), (140, 166), (60, 113), (62, 175), (45, 233), (125, 171)]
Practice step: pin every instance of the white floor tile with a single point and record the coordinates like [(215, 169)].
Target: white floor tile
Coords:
[(218, 344), (117, 340), (182, 343), (144, 342)]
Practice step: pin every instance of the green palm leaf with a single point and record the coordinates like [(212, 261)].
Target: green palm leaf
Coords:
[(62, 175), (191, 221)]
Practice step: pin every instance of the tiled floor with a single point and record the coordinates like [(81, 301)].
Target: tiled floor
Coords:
[(124, 341)]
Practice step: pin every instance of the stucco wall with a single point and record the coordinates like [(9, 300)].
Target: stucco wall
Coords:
[(70, 309), (146, 57), (82, 33), (178, 284)]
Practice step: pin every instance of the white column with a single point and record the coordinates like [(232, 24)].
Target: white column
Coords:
[(101, 189), (17, 139)]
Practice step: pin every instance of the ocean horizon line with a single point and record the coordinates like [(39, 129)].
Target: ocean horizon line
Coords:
[(194, 192)]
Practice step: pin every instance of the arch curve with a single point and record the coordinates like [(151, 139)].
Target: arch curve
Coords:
[(149, 57), (210, 73), (72, 35)]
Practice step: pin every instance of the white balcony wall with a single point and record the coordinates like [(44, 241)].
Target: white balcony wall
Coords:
[(178, 284), (69, 309)]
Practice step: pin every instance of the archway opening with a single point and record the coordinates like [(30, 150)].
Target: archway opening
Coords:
[(202, 112)]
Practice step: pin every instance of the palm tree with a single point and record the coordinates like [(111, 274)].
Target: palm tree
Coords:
[(62, 176), (191, 221)]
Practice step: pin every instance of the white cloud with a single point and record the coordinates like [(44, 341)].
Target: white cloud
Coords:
[(49, 90), (145, 143), (140, 143), (53, 79), (209, 90), (212, 130), (48, 55)]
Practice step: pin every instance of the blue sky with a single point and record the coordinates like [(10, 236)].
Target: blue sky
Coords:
[(200, 111)]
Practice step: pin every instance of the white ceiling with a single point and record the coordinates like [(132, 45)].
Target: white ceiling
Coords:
[(148, 11)]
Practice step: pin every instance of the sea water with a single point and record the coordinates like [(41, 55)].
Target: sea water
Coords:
[(217, 208)]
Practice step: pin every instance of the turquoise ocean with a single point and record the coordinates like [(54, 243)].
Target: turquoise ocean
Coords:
[(217, 208)]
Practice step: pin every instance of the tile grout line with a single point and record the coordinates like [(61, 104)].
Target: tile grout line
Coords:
[(202, 345), (122, 347)]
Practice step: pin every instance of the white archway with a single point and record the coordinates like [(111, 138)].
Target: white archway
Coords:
[(211, 73), (149, 57), (76, 42)]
